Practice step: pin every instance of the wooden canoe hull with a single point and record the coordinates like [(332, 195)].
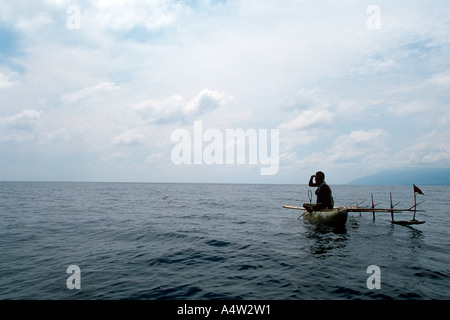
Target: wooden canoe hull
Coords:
[(335, 217)]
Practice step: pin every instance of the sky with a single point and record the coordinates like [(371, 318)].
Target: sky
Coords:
[(96, 90)]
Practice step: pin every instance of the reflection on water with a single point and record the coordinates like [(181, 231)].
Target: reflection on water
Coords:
[(413, 239), (324, 240), (327, 240), (325, 229)]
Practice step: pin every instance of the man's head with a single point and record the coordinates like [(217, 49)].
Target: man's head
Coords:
[(320, 176)]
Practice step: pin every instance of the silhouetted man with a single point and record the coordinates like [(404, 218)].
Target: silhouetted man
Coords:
[(323, 193)]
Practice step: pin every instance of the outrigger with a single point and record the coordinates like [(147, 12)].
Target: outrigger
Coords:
[(338, 215)]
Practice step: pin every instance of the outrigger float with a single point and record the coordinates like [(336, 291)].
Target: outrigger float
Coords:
[(338, 215)]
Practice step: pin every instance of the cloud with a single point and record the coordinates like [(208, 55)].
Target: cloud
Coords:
[(20, 126), (441, 80), (57, 136), (154, 158), (25, 120), (409, 107), (8, 80), (309, 119), (163, 111), (113, 157), (179, 109), (206, 101), (118, 15), (25, 17), (349, 155), (130, 138), (122, 15), (358, 144), (304, 99), (90, 92), (432, 149)]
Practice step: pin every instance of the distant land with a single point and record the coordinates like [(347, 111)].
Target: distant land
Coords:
[(429, 176)]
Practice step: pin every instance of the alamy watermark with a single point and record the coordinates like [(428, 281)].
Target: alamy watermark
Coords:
[(374, 20), (74, 280), (73, 21), (232, 147), (374, 280)]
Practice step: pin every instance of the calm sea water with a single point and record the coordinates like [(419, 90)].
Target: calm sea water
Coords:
[(212, 241)]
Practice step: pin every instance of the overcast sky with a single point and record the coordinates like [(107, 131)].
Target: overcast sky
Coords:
[(93, 90)]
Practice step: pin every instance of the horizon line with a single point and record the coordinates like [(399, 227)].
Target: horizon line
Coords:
[(218, 183)]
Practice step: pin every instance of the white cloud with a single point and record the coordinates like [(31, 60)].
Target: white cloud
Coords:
[(20, 126), (24, 120), (206, 101), (357, 144), (154, 158), (25, 16), (118, 15), (177, 108), (162, 111), (441, 79), (8, 80), (410, 107), (57, 136), (113, 157), (431, 149), (130, 138), (95, 92), (309, 119), (358, 137), (124, 15)]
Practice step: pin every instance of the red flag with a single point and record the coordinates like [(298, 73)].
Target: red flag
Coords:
[(416, 189)]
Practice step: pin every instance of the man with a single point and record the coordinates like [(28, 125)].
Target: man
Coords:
[(323, 193)]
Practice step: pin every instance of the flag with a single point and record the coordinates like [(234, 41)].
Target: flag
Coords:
[(416, 189)]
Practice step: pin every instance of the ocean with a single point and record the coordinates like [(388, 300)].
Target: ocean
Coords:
[(215, 241)]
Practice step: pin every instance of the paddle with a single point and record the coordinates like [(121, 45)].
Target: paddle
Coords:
[(296, 208), (302, 215)]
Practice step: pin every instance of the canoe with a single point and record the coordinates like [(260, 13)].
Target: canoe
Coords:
[(335, 217), (338, 215)]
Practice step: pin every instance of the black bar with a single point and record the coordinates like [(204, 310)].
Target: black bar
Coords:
[(218, 309)]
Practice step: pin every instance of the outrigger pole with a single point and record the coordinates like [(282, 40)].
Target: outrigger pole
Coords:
[(393, 206), (392, 209), (373, 207)]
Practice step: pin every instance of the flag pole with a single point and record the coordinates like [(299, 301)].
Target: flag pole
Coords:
[(415, 203)]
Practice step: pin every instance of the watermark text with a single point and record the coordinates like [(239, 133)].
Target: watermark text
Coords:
[(236, 146), (374, 280), (73, 21), (74, 280), (374, 20)]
